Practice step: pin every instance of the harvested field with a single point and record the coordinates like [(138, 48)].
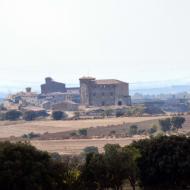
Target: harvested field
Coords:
[(120, 131), (17, 129), (77, 146)]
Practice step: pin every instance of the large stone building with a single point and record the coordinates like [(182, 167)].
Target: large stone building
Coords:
[(103, 92), (52, 86)]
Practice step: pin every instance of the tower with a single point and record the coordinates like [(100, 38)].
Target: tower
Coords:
[(85, 86)]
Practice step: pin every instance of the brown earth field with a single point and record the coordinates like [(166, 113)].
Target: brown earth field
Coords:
[(120, 131), (17, 129), (76, 146)]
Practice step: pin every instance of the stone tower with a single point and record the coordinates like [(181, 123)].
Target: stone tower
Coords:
[(86, 83)]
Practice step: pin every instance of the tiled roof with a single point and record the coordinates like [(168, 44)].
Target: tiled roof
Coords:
[(87, 78), (108, 81)]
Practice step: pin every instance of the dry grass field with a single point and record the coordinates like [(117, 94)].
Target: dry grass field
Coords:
[(77, 146), (19, 128)]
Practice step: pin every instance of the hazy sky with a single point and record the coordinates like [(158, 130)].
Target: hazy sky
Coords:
[(132, 40)]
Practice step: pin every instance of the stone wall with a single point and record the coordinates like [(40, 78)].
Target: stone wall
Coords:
[(104, 92), (52, 86), (102, 95)]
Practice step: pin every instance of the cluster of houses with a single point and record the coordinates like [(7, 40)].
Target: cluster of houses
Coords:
[(56, 96)]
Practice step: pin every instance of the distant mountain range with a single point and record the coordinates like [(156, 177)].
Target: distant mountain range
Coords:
[(161, 90)]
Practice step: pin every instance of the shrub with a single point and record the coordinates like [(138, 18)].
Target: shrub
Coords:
[(90, 149), (120, 113), (12, 115), (31, 135), (29, 115), (109, 112), (133, 130), (32, 115), (58, 115), (82, 132), (152, 130), (165, 124)]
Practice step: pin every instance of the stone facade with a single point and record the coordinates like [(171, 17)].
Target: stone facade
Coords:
[(52, 86), (103, 92), (66, 106)]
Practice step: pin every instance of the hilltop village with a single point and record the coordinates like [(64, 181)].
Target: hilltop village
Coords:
[(56, 96)]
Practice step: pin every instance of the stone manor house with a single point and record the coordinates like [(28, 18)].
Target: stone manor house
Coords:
[(103, 92), (56, 96)]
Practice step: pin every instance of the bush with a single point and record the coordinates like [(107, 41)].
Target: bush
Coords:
[(29, 115), (120, 113), (109, 112), (32, 115), (91, 149), (165, 124), (133, 130), (152, 130), (12, 115), (82, 132), (58, 115), (31, 135)]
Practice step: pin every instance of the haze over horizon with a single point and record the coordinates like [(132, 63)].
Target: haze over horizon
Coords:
[(134, 41)]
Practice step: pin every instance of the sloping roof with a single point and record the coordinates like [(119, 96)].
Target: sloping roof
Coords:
[(73, 90), (87, 78), (108, 81)]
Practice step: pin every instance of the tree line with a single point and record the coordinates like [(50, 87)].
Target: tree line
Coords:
[(161, 163), (174, 123), (13, 115)]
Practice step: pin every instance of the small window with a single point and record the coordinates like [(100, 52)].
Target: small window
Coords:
[(111, 93), (103, 94), (103, 103), (94, 94)]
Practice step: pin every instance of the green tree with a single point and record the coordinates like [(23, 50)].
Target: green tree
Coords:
[(165, 124), (164, 163), (116, 166), (94, 173), (32, 115), (109, 112), (29, 115), (24, 167), (58, 115), (152, 130), (177, 122), (91, 149), (133, 129), (132, 155), (12, 115), (120, 113), (83, 132)]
